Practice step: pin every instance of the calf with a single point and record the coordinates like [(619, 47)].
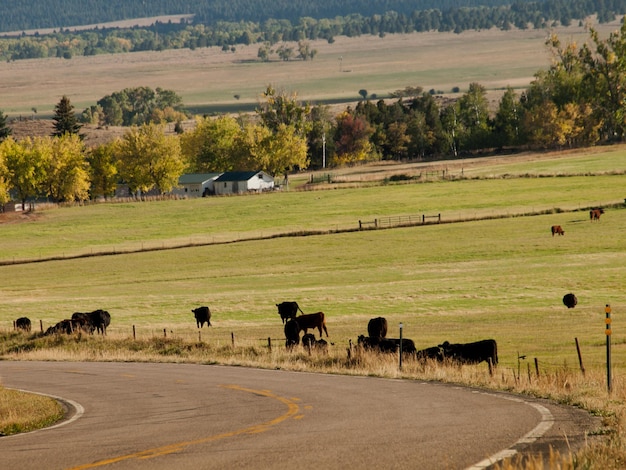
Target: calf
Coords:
[(435, 353)]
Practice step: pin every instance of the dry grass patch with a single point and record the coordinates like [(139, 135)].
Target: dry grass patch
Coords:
[(22, 412)]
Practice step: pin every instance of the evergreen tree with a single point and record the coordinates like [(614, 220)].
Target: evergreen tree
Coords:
[(65, 120), (5, 131)]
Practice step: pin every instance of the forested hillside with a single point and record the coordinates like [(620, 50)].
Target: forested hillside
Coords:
[(268, 23), (19, 15)]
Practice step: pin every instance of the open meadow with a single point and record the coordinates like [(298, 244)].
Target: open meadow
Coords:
[(208, 79), (490, 269)]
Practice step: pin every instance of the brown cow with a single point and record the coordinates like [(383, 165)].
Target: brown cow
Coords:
[(594, 214), (312, 321), (557, 230)]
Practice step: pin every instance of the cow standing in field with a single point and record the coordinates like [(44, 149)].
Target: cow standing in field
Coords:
[(203, 315), (312, 321), (594, 214), (288, 310), (557, 230), (23, 323), (292, 333), (472, 353), (570, 300), (377, 327)]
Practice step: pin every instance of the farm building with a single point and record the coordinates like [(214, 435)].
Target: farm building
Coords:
[(237, 182), (196, 184)]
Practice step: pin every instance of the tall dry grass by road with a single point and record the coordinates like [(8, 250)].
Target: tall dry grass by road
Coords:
[(566, 385)]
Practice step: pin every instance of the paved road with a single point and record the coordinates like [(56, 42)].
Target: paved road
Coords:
[(164, 416)]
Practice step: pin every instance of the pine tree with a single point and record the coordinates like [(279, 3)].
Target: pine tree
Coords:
[(65, 121), (5, 131)]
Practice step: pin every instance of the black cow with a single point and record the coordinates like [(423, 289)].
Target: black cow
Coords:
[(63, 327), (23, 323), (292, 334), (288, 310), (100, 320), (377, 327), (378, 344), (83, 321), (570, 300), (408, 346), (203, 315), (309, 342), (472, 353), (435, 353)]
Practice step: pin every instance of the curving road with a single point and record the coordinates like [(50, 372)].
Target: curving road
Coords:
[(163, 416)]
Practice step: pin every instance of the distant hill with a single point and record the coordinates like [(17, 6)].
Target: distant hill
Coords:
[(21, 15)]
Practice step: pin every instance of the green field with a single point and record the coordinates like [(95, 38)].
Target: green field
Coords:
[(502, 278)]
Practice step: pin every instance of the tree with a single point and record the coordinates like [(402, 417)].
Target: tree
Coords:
[(4, 179), (352, 139), (66, 170), (5, 130), (149, 159), (25, 168), (283, 108), (363, 93), (210, 146), (65, 121), (102, 170), (473, 117), (507, 120)]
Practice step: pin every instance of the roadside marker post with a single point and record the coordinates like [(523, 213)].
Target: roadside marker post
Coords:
[(607, 321), (400, 346)]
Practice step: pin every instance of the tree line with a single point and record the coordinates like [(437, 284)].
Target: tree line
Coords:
[(579, 101), (293, 21)]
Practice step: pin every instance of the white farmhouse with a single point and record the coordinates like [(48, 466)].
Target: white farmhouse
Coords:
[(196, 184), (237, 182)]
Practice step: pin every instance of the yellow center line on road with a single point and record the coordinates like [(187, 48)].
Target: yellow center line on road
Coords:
[(292, 412)]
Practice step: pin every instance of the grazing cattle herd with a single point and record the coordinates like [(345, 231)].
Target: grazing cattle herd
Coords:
[(462, 353)]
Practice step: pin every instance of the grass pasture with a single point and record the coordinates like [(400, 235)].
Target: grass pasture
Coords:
[(486, 277), (497, 277), (208, 79)]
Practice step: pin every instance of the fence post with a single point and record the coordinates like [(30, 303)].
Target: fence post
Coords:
[(232, 338), (607, 321), (134, 335), (580, 358), (165, 332), (537, 367), (269, 344)]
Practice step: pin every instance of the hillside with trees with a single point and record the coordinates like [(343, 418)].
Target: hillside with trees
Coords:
[(227, 24)]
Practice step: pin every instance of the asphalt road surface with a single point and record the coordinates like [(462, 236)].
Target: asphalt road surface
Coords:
[(170, 416)]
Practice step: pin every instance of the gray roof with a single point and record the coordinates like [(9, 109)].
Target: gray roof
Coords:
[(197, 178)]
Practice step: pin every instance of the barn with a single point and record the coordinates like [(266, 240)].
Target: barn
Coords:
[(237, 182), (196, 184)]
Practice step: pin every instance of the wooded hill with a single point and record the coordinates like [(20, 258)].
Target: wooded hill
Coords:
[(272, 25), (20, 15)]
